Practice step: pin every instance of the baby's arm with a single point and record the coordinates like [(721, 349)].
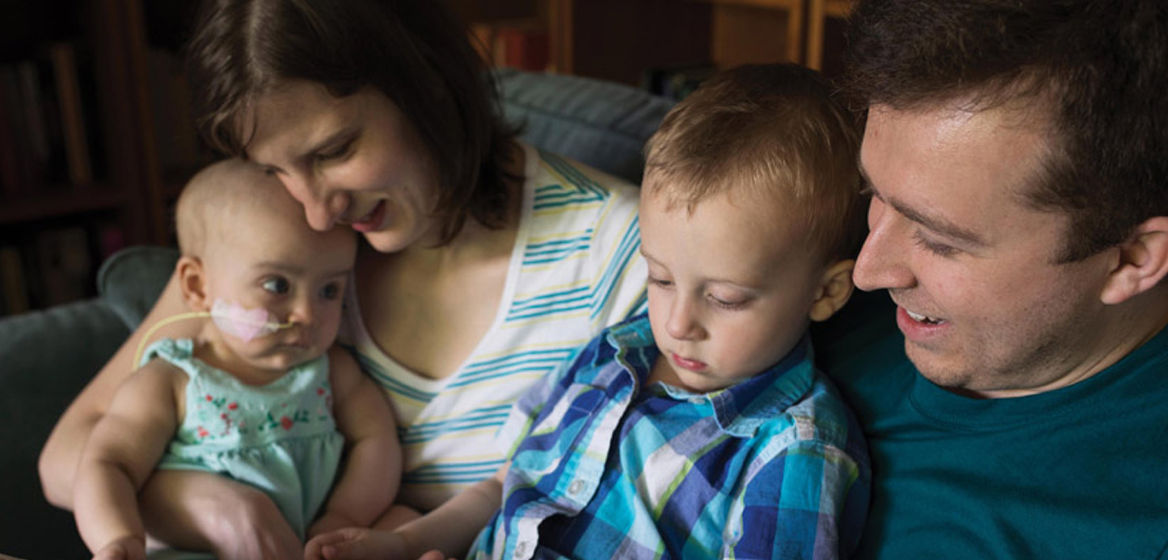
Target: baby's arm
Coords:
[(122, 451), (372, 468), (59, 458), (451, 528)]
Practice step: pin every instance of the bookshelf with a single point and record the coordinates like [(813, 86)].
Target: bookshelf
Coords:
[(117, 140)]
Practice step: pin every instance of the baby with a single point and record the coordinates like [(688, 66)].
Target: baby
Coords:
[(702, 429), (260, 395)]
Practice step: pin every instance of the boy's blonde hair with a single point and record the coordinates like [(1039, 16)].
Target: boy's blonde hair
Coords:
[(772, 130)]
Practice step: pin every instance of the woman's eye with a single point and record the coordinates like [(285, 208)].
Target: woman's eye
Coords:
[(333, 153), (276, 285), (330, 291)]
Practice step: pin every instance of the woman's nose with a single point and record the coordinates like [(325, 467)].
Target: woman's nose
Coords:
[(323, 206)]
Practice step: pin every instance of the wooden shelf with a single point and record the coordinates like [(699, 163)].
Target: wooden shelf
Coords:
[(61, 202)]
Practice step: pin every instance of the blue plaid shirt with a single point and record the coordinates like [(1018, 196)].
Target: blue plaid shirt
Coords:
[(602, 467)]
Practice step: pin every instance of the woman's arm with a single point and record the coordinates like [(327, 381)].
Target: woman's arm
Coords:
[(122, 450), (372, 472), (60, 455)]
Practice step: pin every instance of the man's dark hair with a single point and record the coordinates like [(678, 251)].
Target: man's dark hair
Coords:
[(1099, 67), (413, 51)]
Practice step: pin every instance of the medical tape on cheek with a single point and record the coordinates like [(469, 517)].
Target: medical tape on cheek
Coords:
[(243, 323), (231, 318)]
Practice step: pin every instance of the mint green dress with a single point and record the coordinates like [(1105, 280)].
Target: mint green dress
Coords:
[(280, 437)]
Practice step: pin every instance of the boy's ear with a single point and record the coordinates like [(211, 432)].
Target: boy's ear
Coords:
[(1142, 262), (192, 280), (835, 287)]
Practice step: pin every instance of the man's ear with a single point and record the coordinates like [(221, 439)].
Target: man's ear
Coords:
[(835, 287), (1142, 263), (192, 280)]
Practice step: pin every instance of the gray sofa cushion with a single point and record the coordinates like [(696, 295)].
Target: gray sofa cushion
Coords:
[(602, 124), (132, 278)]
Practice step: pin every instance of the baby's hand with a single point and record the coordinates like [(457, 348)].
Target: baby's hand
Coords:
[(125, 548), (330, 521), (356, 543)]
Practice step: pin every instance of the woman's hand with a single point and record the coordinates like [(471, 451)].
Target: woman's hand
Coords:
[(204, 511)]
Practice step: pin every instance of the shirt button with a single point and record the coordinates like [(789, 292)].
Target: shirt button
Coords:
[(697, 400), (576, 486), (520, 550)]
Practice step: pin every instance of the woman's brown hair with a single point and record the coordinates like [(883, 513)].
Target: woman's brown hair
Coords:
[(413, 51)]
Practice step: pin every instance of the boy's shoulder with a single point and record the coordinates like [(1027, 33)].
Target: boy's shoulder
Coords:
[(821, 417)]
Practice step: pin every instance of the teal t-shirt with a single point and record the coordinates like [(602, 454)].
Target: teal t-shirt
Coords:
[(1080, 472)]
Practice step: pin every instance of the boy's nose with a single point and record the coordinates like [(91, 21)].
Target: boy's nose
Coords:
[(683, 323), (881, 262)]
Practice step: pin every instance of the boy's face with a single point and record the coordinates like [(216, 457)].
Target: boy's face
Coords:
[(730, 287), (275, 263)]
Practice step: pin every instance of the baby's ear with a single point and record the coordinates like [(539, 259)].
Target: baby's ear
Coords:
[(835, 287), (192, 280)]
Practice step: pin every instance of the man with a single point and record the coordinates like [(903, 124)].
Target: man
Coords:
[(1017, 157)]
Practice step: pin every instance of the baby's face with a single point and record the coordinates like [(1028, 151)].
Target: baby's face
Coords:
[(276, 266), (730, 287)]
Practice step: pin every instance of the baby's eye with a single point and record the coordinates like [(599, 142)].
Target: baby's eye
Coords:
[(331, 291), (276, 285)]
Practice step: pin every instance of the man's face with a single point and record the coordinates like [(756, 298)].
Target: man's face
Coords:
[(970, 264)]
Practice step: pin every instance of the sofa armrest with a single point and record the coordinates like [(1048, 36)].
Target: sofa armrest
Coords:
[(48, 357)]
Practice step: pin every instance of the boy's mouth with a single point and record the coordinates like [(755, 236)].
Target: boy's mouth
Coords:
[(686, 363)]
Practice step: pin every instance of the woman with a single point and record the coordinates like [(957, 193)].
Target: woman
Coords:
[(486, 262)]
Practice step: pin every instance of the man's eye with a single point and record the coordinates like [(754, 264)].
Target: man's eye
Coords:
[(939, 249), (276, 285)]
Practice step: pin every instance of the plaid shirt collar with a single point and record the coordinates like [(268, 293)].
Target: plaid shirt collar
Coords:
[(740, 408)]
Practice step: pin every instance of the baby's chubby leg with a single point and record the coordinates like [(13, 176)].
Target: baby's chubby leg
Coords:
[(197, 510)]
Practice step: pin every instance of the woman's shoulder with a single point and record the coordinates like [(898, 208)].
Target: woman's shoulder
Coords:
[(558, 181)]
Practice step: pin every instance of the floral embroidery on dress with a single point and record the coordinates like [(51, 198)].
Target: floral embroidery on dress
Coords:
[(220, 417)]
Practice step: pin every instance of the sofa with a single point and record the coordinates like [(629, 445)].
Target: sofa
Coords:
[(47, 357)]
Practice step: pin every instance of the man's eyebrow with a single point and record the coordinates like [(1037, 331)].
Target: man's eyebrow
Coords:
[(934, 223)]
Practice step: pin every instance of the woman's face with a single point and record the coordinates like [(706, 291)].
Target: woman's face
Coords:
[(355, 161)]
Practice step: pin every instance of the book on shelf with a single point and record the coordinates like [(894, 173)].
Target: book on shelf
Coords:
[(13, 289), (74, 132), (44, 140), (522, 44)]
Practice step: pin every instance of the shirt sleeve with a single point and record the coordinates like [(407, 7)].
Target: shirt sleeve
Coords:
[(799, 504)]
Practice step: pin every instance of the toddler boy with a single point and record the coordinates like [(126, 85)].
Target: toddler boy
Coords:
[(701, 429)]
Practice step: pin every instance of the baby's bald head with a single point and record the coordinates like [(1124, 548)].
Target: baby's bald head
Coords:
[(225, 197)]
